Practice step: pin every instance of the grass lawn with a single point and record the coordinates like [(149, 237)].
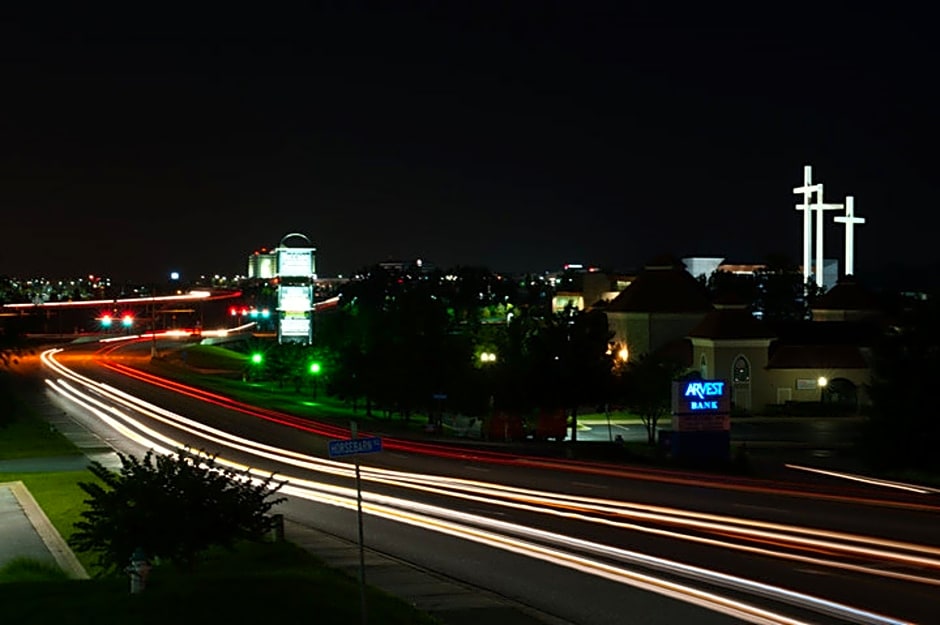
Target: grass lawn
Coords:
[(22, 433), (257, 583), (32, 438), (60, 497), (214, 357), (266, 394)]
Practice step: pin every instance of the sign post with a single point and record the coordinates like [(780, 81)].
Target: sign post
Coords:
[(353, 446)]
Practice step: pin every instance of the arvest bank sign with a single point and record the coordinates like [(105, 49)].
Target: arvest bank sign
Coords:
[(701, 405)]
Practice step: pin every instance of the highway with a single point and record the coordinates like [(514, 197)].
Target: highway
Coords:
[(590, 543)]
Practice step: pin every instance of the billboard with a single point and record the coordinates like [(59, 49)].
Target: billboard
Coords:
[(295, 298), (295, 262)]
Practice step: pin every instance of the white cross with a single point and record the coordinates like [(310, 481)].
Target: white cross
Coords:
[(819, 207), (807, 190), (850, 220)]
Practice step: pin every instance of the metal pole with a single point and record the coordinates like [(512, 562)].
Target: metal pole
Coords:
[(610, 434), (153, 322), (362, 552)]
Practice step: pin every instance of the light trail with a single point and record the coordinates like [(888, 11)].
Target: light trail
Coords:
[(670, 477), (518, 498), (913, 488)]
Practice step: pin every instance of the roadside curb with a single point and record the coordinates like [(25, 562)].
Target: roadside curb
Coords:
[(49, 535)]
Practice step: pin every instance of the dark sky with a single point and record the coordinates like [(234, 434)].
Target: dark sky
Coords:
[(520, 136)]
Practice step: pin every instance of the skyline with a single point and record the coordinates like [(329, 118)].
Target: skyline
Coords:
[(519, 138)]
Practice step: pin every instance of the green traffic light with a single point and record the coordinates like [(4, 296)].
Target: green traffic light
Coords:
[(315, 368), (257, 359)]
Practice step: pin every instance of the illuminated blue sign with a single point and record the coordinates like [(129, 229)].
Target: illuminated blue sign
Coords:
[(703, 395)]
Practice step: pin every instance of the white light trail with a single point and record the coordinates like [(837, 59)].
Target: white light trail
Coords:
[(506, 535)]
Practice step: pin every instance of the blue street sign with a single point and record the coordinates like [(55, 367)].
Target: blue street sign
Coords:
[(353, 446)]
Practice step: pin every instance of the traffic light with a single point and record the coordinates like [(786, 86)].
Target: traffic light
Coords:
[(106, 321), (127, 320)]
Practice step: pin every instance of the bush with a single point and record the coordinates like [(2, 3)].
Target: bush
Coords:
[(172, 507)]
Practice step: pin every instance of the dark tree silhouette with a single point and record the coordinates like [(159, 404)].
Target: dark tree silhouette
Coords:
[(173, 507), (646, 388)]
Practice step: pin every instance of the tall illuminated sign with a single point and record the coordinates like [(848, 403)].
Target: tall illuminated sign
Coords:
[(296, 272)]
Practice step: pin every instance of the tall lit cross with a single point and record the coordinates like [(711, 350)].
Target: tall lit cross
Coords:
[(807, 190), (819, 207), (850, 221)]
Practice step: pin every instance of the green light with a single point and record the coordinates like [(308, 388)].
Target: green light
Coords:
[(315, 368), (257, 358)]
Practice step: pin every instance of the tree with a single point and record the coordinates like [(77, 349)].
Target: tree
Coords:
[(173, 507), (573, 360), (781, 293), (903, 431), (646, 385)]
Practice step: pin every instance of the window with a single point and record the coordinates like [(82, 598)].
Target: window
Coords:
[(742, 370), (703, 367)]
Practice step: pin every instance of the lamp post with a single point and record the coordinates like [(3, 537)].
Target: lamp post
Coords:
[(315, 370), (488, 359), (153, 322)]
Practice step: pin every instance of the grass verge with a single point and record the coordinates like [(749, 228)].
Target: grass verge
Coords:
[(256, 583)]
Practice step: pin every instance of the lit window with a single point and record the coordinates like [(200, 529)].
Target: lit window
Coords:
[(742, 370)]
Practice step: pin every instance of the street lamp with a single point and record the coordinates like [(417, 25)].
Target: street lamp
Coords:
[(487, 357), (315, 370)]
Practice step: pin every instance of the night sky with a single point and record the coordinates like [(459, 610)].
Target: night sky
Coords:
[(520, 137)]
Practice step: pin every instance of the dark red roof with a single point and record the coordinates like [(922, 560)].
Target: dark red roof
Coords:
[(665, 287), (731, 323), (817, 357)]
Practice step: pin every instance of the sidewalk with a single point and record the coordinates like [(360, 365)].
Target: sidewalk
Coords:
[(25, 532), (450, 601)]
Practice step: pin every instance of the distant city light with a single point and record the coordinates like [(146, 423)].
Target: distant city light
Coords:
[(174, 275)]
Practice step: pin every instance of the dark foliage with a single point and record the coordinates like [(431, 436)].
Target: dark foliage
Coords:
[(645, 387), (173, 507), (904, 432)]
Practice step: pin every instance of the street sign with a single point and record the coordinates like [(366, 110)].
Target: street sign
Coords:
[(354, 446)]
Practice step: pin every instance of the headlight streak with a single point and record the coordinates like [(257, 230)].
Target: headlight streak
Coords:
[(538, 500), (539, 504), (497, 457), (867, 480), (696, 520), (524, 499)]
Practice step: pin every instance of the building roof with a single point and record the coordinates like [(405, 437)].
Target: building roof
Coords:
[(848, 294), (817, 357), (731, 323), (663, 286), (862, 332), (678, 351)]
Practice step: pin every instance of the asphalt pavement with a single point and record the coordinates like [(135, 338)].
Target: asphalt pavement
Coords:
[(26, 532)]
